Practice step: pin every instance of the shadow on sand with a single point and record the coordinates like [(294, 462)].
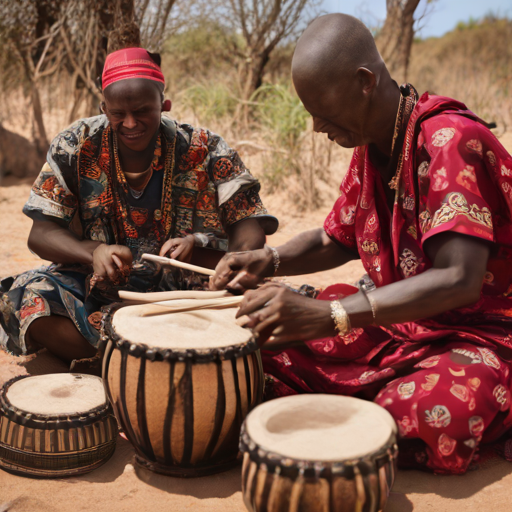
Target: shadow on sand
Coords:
[(113, 468), (43, 363), (398, 502), (221, 485), (453, 487)]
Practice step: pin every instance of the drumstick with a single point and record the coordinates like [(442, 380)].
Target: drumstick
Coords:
[(171, 295), (175, 306), (175, 263)]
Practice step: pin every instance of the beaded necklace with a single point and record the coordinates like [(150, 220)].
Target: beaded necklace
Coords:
[(408, 100), (164, 213)]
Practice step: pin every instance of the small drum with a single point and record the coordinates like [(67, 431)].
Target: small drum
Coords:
[(318, 453), (181, 385), (55, 425)]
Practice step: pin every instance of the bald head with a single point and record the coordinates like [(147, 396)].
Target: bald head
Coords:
[(343, 82), (331, 49)]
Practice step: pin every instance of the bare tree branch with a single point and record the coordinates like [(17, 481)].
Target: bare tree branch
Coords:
[(263, 24), (91, 86), (49, 40)]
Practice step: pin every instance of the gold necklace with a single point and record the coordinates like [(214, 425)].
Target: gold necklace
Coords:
[(398, 119), (137, 193), (405, 108)]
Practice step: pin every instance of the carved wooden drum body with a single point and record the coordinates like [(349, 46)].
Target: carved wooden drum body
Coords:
[(318, 453), (181, 385), (55, 425)]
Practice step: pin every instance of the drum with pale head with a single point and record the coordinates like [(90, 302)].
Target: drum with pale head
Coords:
[(55, 425), (318, 453), (181, 385)]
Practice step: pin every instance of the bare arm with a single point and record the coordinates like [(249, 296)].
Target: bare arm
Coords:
[(56, 243), (245, 235), (309, 252), (459, 265), (455, 280)]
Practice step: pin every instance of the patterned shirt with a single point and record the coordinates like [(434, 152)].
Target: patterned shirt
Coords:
[(199, 185)]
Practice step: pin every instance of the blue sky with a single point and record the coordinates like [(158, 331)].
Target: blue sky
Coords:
[(444, 16)]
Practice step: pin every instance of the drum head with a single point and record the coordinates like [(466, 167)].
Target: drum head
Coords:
[(323, 428), (202, 329), (56, 394)]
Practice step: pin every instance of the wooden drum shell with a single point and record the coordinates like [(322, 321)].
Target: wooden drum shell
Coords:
[(272, 483), (182, 411), (54, 446)]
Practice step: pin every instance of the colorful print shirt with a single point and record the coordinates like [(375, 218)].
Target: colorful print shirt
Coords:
[(200, 186), (456, 177)]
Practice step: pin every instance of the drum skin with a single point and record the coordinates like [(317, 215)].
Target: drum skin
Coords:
[(54, 446), (182, 411), (271, 483)]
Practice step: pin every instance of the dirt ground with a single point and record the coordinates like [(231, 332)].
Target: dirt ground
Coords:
[(119, 486)]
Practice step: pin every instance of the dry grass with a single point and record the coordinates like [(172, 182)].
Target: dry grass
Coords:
[(473, 64)]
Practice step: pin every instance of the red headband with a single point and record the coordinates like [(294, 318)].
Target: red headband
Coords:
[(130, 63)]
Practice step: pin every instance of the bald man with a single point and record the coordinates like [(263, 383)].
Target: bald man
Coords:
[(427, 206)]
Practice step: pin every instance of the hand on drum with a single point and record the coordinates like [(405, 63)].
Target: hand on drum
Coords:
[(282, 317), (111, 261), (241, 271), (179, 248)]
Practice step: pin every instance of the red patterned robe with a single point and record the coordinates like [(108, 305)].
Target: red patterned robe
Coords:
[(446, 379)]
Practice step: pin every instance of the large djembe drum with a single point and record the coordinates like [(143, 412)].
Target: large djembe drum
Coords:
[(318, 453), (55, 425), (181, 385)]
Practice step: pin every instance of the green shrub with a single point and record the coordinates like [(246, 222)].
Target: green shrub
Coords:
[(209, 101), (281, 114)]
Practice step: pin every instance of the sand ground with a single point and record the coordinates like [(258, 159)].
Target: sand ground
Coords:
[(119, 486)]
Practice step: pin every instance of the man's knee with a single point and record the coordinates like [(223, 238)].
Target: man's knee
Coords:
[(60, 336)]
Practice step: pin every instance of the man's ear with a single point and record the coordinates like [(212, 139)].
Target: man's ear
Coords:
[(367, 80), (103, 108), (166, 105)]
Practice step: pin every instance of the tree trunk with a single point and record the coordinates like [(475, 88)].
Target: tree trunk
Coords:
[(254, 70), (41, 137), (258, 65), (396, 36)]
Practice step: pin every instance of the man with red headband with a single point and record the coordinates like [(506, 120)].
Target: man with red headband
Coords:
[(116, 186)]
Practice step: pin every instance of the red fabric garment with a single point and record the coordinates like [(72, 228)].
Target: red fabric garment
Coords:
[(456, 177), (449, 401), (130, 63)]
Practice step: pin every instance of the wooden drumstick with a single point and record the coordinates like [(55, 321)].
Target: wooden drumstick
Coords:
[(171, 295), (175, 263), (176, 306)]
